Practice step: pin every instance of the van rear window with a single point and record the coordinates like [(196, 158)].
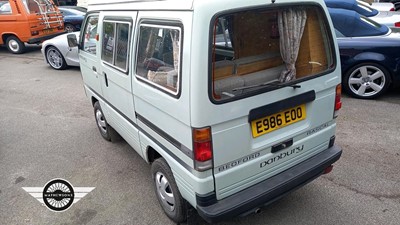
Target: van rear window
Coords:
[(254, 51)]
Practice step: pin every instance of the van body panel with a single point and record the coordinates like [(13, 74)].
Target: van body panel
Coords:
[(175, 148), (89, 63), (115, 82), (271, 189), (168, 101), (241, 156), (189, 182), (142, 5), (155, 104)]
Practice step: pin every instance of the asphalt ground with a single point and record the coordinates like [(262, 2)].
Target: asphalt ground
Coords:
[(47, 131)]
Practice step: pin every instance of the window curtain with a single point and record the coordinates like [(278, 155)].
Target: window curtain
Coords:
[(175, 45), (291, 23)]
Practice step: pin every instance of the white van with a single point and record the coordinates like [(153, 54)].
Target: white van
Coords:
[(232, 102)]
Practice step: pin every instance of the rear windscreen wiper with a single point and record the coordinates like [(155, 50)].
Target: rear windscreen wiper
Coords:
[(266, 85)]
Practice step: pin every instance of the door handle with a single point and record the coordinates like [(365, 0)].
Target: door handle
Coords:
[(105, 78), (94, 69)]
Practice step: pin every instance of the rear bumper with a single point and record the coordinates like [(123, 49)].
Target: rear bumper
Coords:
[(271, 189), (43, 38)]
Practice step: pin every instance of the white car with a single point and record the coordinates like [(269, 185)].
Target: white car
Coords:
[(382, 6), (58, 54)]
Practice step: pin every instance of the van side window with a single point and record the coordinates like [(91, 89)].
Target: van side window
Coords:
[(90, 32), (115, 44), (158, 58), (5, 7), (254, 51)]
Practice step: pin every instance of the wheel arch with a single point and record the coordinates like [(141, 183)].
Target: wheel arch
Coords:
[(93, 100), (152, 154), (4, 36), (45, 51)]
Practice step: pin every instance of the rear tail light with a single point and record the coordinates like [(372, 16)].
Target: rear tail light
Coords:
[(338, 100), (392, 9), (328, 169), (202, 148), (397, 24), (34, 33)]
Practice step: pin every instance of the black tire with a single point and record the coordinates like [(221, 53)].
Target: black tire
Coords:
[(55, 58), (106, 131), (69, 28), (366, 81), (14, 45), (162, 174)]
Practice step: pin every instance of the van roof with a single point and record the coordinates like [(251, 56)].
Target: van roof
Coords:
[(186, 5), (141, 4)]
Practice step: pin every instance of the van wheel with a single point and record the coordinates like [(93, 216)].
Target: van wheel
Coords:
[(106, 131), (366, 81), (14, 45), (55, 58), (167, 191)]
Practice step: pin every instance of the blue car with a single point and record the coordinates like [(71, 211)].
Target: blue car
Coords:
[(390, 19), (358, 6), (72, 18), (369, 54)]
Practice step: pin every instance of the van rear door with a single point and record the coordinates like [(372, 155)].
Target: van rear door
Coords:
[(273, 85)]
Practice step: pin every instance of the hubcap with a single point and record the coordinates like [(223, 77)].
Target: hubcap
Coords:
[(13, 45), (164, 191), (54, 57), (69, 29), (367, 81), (101, 122)]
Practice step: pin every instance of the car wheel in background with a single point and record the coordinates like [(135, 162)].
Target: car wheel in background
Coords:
[(55, 58), (69, 28), (14, 45), (366, 81)]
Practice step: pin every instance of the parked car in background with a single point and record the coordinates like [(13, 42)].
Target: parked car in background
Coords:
[(383, 6), (57, 53), (28, 21), (72, 18), (396, 3), (388, 18), (369, 54), (79, 8)]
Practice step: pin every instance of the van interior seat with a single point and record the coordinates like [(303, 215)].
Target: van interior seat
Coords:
[(245, 71), (256, 63), (226, 85)]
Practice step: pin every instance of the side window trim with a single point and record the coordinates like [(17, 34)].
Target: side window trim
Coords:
[(116, 22), (172, 25), (83, 32)]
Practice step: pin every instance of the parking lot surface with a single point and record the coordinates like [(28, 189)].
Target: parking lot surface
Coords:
[(47, 131)]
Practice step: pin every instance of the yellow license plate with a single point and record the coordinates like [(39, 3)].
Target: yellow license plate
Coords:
[(278, 120), (47, 31)]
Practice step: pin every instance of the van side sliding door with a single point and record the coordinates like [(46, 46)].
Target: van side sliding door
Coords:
[(116, 38)]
